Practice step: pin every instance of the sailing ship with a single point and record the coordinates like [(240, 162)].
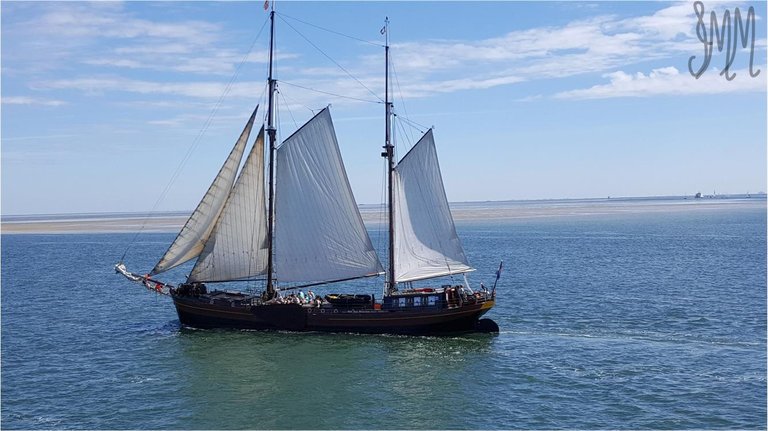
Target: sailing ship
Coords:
[(295, 224)]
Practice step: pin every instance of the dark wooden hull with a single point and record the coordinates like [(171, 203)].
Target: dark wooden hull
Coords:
[(198, 312)]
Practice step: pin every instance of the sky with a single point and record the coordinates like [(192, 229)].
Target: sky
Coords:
[(133, 106)]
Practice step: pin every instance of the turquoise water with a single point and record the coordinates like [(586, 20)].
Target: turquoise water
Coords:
[(653, 320)]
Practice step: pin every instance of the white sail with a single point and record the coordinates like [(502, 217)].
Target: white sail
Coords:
[(319, 233), (193, 236), (426, 244), (237, 249)]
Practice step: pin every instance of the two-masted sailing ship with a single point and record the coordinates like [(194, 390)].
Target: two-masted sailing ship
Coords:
[(295, 225)]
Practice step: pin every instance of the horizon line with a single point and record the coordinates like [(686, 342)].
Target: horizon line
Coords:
[(368, 205)]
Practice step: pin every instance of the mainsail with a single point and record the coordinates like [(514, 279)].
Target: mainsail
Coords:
[(237, 248), (319, 233), (426, 244), (193, 236)]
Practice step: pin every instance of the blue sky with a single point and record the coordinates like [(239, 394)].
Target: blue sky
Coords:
[(101, 102)]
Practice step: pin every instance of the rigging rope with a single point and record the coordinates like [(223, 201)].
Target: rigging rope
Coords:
[(404, 133), (285, 98), (288, 107), (400, 91), (195, 142), (330, 31), (329, 58), (331, 94), (415, 125)]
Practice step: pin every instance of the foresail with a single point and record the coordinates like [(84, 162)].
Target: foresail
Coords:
[(237, 249), (319, 233), (426, 244), (190, 241)]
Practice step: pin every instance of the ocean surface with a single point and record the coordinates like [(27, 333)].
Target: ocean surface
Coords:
[(610, 319)]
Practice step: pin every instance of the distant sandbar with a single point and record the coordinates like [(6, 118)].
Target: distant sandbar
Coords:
[(373, 214)]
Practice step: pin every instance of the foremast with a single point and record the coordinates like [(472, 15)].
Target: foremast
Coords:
[(389, 154), (271, 132)]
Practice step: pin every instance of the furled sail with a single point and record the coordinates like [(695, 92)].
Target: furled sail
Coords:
[(426, 244), (193, 236), (237, 248), (319, 233)]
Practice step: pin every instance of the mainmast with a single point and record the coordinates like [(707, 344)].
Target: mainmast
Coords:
[(389, 154), (271, 130)]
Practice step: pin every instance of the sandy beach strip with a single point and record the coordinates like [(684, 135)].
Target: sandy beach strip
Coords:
[(106, 224), (372, 215)]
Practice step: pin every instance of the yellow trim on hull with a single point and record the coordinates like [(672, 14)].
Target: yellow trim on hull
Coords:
[(487, 305)]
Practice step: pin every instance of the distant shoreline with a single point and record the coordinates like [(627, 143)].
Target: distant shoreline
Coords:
[(373, 214)]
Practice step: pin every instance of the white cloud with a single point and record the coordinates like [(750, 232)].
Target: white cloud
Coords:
[(598, 45), (427, 88), (89, 20), (115, 62), (178, 58), (24, 100), (36, 138), (60, 34), (94, 86), (595, 45), (544, 50), (666, 81)]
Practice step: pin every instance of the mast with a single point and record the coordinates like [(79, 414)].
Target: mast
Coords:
[(271, 130), (389, 154)]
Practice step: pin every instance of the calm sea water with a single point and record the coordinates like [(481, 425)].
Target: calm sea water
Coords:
[(650, 320)]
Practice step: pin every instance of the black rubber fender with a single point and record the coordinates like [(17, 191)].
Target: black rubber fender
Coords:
[(487, 325)]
